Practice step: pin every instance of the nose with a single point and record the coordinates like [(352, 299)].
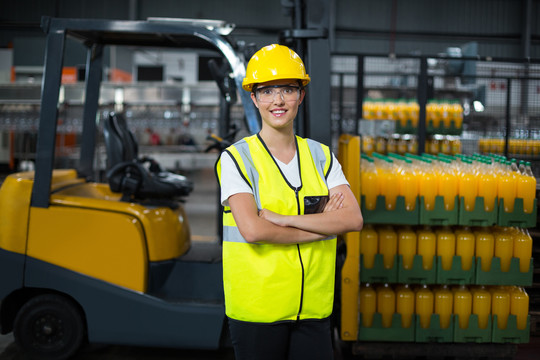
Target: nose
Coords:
[(278, 97)]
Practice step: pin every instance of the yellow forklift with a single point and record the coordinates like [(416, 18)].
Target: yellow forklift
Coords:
[(112, 263)]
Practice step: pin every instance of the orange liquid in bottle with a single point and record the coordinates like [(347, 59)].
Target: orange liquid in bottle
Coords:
[(407, 246), (386, 304), (446, 247), (485, 248), (424, 306), (465, 242), (500, 306), (427, 244), (463, 306), (387, 245), (368, 304), (504, 248), (523, 244), (482, 306), (519, 306), (443, 305), (405, 305), (369, 244)]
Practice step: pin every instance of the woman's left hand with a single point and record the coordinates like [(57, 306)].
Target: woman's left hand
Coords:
[(273, 217)]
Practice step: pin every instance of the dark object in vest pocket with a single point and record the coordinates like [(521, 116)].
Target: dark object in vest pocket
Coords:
[(315, 204)]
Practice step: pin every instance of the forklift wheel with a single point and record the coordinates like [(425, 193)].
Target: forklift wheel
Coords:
[(49, 326)]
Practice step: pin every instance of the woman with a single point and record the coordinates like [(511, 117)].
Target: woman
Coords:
[(285, 198)]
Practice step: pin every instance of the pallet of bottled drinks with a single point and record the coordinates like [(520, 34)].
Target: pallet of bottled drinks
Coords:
[(475, 190)]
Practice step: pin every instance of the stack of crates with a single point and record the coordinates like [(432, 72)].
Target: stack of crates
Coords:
[(437, 273)]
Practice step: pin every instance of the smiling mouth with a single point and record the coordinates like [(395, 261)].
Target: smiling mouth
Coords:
[(278, 112)]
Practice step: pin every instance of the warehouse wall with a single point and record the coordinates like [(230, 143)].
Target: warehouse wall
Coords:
[(367, 26)]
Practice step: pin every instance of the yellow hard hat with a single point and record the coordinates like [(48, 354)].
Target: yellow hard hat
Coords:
[(274, 62)]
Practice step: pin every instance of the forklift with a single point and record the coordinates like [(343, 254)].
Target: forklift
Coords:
[(111, 263)]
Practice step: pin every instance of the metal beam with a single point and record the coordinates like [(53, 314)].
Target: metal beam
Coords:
[(94, 71), (48, 118)]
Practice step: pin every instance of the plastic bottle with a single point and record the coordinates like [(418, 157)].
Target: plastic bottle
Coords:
[(368, 183), (386, 304), (389, 184), (443, 305), (481, 306), (504, 247), (405, 305), (485, 248), (523, 245), (424, 305), (445, 114), (428, 183), (369, 245), (463, 305), (519, 306), (468, 185), (368, 111), (446, 247), (413, 110), (506, 187), (387, 245), (448, 185), (526, 189), (407, 246), (487, 187), (500, 305), (465, 242), (368, 304), (427, 244), (408, 185)]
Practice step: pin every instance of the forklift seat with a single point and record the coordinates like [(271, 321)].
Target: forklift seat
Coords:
[(127, 172)]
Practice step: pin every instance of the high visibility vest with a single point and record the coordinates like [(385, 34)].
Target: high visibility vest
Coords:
[(273, 282)]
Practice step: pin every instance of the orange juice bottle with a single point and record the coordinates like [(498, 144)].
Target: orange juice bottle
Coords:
[(405, 305), (387, 245), (368, 183), (443, 305), (389, 184), (487, 187), (465, 242), (413, 110), (428, 183), (523, 249), (457, 111), (368, 144), (407, 246), (506, 188), (427, 244), (463, 306), (369, 244), (481, 306), (378, 109), (408, 185), (445, 114), (448, 185), (504, 247), (368, 304), (519, 306), (446, 247), (424, 305), (526, 188), (485, 248), (500, 305), (468, 185), (386, 304), (368, 111)]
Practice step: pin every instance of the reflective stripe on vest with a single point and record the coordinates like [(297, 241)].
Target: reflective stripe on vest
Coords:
[(266, 282)]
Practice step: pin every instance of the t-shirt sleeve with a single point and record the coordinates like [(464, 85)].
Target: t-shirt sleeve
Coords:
[(336, 176), (231, 180)]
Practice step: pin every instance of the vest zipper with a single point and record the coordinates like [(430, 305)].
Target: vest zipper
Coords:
[(296, 189)]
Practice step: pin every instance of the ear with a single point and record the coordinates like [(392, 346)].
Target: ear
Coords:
[(254, 99), (302, 95)]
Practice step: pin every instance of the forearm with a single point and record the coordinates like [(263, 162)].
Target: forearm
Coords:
[(330, 223), (262, 231)]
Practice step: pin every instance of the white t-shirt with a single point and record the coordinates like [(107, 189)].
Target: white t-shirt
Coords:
[(233, 183)]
